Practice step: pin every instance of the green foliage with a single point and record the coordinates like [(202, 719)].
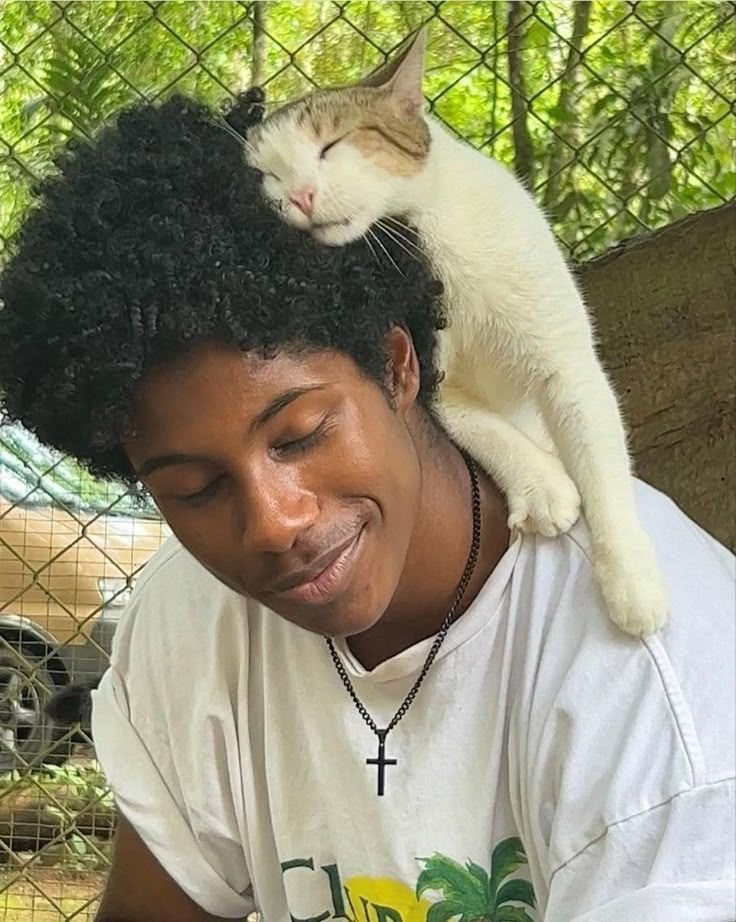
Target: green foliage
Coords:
[(508, 856), (452, 879), (74, 813), (85, 781), (81, 781), (469, 894), (626, 107), (516, 891), (631, 133)]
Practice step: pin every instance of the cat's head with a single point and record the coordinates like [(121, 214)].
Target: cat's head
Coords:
[(338, 160)]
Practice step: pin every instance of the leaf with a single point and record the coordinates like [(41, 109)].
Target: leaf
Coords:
[(453, 880), (481, 875), (511, 915), (79, 845), (31, 107), (603, 103), (62, 80), (507, 856), (447, 909), (519, 891)]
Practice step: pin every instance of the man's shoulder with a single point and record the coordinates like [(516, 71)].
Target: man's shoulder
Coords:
[(177, 609), (699, 637), (699, 571), (602, 705), (608, 726), (167, 568)]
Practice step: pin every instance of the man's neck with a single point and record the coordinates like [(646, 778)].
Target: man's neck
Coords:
[(438, 555)]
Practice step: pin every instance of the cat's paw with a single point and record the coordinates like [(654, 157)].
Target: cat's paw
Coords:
[(543, 498), (633, 587)]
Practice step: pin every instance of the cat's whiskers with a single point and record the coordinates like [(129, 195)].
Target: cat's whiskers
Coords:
[(348, 215), (395, 240), (380, 243), (225, 126), (370, 236), (399, 240), (430, 215), (371, 248), (399, 227)]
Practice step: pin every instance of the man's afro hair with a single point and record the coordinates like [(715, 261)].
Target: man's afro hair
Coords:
[(153, 238)]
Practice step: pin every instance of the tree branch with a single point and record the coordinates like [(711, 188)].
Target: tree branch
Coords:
[(260, 41), (565, 137), (518, 14)]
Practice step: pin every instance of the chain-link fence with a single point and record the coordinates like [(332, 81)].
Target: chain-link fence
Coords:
[(619, 115)]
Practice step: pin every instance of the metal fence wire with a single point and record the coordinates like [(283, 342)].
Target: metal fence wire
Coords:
[(619, 116)]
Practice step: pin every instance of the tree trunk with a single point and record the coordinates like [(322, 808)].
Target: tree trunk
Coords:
[(664, 309), (518, 13), (260, 41), (663, 63), (565, 140), (494, 71)]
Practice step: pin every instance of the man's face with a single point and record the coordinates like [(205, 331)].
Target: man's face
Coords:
[(292, 479)]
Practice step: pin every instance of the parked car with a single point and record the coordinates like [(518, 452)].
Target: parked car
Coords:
[(67, 564)]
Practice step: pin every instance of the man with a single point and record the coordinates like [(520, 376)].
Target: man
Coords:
[(344, 691)]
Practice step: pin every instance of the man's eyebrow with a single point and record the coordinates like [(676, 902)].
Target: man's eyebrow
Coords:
[(283, 400), (279, 402), (159, 461)]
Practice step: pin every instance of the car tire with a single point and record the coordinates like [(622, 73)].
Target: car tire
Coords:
[(28, 737)]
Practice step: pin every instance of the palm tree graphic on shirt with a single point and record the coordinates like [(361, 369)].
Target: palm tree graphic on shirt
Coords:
[(471, 894)]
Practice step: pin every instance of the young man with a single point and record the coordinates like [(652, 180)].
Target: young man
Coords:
[(344, 691)]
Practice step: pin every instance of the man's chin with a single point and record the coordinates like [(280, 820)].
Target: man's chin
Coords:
[(344, 621)]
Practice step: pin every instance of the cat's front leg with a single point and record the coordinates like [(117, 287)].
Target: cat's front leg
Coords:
[(582, 414), (540, 496)]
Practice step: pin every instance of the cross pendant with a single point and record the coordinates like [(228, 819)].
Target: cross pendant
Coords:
[(381, 761)]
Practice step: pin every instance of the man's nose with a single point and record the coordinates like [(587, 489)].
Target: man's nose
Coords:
[(303, 198), (276, 513)]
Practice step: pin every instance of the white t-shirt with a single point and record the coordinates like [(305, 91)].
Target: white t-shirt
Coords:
[(548, 759)]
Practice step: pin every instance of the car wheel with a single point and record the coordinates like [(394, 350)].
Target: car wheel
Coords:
[(28, 736)]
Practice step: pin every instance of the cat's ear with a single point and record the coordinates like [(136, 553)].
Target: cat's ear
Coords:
[(402, 75)]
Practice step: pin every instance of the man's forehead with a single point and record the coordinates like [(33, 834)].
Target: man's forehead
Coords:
[(220, 395), (214, 373)]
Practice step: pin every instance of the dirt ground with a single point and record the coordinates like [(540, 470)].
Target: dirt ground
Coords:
[(51, 896)]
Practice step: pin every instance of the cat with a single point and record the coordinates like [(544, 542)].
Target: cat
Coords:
[(72, 704), (523, 391)]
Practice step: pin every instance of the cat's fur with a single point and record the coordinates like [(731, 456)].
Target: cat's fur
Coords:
[(72, 704), (523, 386)]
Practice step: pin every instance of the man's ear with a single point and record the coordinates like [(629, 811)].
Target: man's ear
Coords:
[(403, 368), (402, 75)]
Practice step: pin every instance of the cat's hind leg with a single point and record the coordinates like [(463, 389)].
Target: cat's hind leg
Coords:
[(540, 495), (583, 417)]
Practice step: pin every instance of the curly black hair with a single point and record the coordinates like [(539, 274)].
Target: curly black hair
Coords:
[(153, 238)]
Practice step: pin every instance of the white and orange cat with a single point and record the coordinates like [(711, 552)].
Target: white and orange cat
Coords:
[(524, 391)]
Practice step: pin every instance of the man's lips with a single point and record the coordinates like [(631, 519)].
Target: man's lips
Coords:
[(310, 573), (323, 579)]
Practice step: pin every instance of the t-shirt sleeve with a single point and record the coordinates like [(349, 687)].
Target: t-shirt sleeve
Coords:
[(673, 863), (204, 860), (167, 735)]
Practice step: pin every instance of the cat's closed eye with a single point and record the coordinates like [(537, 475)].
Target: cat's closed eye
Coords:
[(265, 174), (328, 147)]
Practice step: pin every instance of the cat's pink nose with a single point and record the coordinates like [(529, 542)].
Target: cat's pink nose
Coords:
[(303, 198)]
